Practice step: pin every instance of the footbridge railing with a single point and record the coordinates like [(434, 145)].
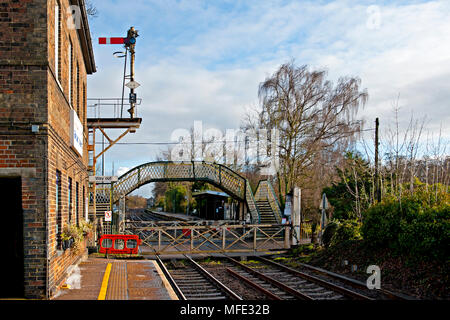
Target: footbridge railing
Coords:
[(164, 171)]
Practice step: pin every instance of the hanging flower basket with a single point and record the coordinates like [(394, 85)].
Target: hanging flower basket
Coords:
[(71, 236)]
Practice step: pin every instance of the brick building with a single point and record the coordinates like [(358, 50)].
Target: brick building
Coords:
[(45, 57)]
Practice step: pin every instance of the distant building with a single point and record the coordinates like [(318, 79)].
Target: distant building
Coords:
[(212, 205), (150, 202), (44, 62)]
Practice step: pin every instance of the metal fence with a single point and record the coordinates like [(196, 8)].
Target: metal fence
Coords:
[(179, 238)]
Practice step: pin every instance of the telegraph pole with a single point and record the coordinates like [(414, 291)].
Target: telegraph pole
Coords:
[(377, 179)]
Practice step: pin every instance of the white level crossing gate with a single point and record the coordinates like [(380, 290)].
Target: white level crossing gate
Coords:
[(176, 237)]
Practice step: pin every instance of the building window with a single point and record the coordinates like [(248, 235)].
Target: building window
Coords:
[(77, 72), (70, 199), (57, 42), (77, 206), (84, 105), (70, 53), (84, 204), (58, 209)]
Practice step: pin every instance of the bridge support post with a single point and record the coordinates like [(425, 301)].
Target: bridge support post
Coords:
[(296, 215), (241, 211), (224, 230), (287, 242)]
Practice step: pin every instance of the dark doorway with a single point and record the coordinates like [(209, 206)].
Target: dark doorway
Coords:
[(11, 238)]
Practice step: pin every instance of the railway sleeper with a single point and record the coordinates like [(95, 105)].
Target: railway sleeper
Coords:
[(266, 285)]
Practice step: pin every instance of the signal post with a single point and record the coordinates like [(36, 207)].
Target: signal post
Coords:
[(100, 197)]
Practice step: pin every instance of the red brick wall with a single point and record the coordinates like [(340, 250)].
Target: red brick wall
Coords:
[(29, 95), (61, 156)]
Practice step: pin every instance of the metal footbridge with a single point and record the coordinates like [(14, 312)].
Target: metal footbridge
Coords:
[(263, 206)]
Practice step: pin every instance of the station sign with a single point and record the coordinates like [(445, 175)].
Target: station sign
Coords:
[(133, 84), (103, 179), (76, 133)]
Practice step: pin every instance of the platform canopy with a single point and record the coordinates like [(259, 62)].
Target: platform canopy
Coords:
[(210, 193)]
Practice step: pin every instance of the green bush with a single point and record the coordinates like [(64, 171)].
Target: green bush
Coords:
[(329, 232), (303, 249), (346, 230), (418, 225), (381, 224), (426, 233)]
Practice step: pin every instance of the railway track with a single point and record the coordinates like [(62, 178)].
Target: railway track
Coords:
[(267, 278), (189, 280), (281, 283), (192, 282), (352, 283), (272, 281)]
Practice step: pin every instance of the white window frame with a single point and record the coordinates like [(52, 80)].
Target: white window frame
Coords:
[(57, 32), (70, 54)]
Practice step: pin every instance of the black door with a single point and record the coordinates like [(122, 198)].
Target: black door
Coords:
[(11, 238)]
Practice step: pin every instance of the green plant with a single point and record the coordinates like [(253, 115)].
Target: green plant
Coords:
[(69, 232), (86, 227), (350, 194), (303, 249), (175, 198), (345, 231), (417, 224), (74, 233), (329, 232), (65, 234), (381, 224), (313, 232)]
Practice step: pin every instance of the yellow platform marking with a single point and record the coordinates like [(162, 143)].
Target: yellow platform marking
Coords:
[(102, 293), (166, 283)]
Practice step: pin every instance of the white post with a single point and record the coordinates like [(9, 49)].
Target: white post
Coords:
[(323, 218), (296, 215)]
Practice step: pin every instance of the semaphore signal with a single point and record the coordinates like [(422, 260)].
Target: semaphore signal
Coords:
[(130, 43)]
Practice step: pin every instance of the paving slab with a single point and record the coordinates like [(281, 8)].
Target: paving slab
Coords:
[(110, 279)]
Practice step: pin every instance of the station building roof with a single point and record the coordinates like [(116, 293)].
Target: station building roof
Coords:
[(210, 193)]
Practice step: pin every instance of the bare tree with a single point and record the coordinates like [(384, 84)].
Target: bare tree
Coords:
[(91, 10), (311, 114)]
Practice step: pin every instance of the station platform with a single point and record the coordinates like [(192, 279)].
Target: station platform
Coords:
[(179, 216), (99, 278)]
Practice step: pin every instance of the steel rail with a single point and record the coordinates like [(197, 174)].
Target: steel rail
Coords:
[(321, 282), (356, 283), (195, 285), (169, 277), (254, 285), (276, 283), (215, 280), (209, 277)]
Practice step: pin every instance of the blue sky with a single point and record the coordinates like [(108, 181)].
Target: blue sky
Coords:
[(204, 60)]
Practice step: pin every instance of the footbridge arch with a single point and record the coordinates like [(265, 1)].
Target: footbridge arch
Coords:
[(215, 174)]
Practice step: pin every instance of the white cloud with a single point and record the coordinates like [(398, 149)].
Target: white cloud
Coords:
[(199, 61), (122, 170)]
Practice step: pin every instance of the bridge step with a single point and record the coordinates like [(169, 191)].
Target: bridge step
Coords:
[(267, 216)]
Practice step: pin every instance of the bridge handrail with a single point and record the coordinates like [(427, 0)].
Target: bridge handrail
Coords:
[(217, 174), (214, 173), (270, 196), (274, 203), (253, 208)]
